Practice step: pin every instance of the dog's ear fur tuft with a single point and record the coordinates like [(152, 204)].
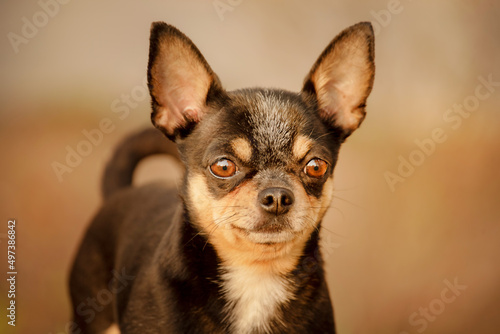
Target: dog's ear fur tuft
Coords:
[(342, 78), (179, 81)]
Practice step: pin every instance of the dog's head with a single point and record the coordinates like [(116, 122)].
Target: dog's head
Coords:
[(259, 162)]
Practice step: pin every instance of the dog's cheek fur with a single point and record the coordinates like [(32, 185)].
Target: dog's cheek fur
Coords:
[(213, 216), (323, 202), (216, 218), (312, 208)]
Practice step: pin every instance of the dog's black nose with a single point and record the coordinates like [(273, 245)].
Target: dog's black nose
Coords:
[(276, 200)]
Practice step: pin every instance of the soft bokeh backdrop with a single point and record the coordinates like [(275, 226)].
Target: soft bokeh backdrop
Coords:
[(417, 187)]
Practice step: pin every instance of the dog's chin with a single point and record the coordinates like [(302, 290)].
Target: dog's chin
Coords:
[(268, 235), (265, 238)]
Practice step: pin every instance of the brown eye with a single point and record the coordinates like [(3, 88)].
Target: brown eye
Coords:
[(223, 168), (316, 168)]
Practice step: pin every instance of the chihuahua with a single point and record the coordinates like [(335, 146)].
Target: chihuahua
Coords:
[(236, 248)]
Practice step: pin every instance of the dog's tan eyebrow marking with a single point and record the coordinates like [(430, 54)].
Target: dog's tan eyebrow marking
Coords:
[(301, 146), (242, 149)]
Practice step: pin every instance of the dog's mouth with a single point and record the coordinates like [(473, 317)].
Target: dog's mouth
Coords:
[(267, 234)]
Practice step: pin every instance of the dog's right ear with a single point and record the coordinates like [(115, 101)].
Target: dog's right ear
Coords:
[(180, 81)]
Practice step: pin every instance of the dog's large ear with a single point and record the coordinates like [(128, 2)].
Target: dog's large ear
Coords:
[(342, 78), (180, 81)]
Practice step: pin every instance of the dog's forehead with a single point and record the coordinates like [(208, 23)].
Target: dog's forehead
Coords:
[(272, 120)]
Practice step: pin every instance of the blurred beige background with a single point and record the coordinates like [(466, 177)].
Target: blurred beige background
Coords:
[(417, 187)]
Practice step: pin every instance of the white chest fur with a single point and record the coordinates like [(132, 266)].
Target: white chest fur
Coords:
[(254, 298)]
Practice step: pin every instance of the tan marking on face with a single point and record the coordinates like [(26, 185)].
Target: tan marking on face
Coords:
[(301, 146), (225, 222), (310, 210), (221, 221), (242, 149), (323, 203)]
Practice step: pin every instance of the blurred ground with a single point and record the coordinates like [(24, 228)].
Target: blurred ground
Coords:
[(391, 250)]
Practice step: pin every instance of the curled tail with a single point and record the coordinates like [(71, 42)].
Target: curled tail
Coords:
[(120, 169)]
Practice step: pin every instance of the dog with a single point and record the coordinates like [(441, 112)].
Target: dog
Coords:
[(236, 248)]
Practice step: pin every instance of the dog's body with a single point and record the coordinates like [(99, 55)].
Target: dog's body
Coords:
[(238, 252)]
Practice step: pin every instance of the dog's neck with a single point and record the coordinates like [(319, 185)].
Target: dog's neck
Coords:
[(254, 299), (256, 296)]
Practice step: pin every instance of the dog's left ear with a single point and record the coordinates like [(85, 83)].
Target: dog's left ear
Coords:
[(342, 78), (180, 81)]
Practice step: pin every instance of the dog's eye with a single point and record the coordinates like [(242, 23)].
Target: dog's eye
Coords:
[(316, 168), (223, 168)]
